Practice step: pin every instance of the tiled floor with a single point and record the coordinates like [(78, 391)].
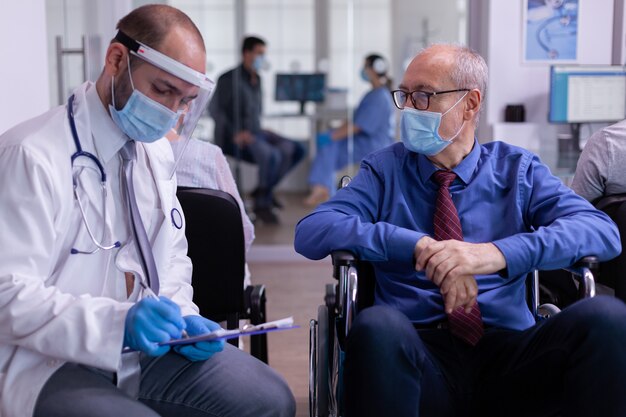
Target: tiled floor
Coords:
[(295, 287), (282, 234)]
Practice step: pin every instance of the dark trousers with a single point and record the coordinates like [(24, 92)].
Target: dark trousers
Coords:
[(571, 365), (275, 156)]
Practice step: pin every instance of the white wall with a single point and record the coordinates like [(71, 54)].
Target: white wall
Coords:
[(72, 20), (419, 23), (512, 81), (24, 69)]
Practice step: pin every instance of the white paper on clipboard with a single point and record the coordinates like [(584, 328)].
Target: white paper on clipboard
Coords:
[(247, 330)]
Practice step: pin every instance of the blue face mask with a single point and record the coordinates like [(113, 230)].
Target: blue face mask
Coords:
[(142, 118), (364, 76), (419, 130), (258, 63)]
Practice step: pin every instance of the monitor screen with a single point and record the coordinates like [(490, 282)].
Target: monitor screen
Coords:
[(300, 87), (587, 93)]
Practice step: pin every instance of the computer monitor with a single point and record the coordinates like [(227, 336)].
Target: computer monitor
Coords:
[(587, 93), (300, 88)]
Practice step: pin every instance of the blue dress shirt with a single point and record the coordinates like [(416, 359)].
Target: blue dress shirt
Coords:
[(503, 194)]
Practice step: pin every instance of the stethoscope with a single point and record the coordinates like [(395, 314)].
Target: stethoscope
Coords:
[(175, 215), (103, 181)]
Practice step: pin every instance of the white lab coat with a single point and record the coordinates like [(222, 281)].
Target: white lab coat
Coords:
[(54, 306)]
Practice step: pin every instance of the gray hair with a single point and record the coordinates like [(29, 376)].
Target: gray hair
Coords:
[(470, 72), (469, 69)]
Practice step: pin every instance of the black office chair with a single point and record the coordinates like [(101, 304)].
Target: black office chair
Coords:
[(354, 292), (613, 272), (215, 237)]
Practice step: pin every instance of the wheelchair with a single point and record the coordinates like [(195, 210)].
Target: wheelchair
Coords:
[(354, 292)]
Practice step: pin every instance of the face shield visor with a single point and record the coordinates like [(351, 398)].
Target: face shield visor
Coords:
[(191, 111)]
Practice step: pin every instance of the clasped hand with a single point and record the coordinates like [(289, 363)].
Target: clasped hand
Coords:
[(150, 322), (452, 264)]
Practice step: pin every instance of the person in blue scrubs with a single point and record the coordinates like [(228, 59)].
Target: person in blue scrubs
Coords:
[(372, 127), (411, 353)]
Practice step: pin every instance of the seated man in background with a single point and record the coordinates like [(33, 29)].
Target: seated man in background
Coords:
[(236, 107), (601, 172), (452, 228), (601, 169), (372, 129)]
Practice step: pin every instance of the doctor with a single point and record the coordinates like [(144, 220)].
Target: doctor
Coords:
[(87, 194)]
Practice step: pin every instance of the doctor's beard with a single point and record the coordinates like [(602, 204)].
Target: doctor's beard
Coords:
[(122, 90)]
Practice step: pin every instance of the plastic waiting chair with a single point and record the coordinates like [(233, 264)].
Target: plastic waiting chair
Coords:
[(214, 232)]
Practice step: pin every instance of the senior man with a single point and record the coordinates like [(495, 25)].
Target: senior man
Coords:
[(452, 227)]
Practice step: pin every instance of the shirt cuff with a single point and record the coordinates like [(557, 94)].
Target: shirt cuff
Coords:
[(401, 245), (516, 256)]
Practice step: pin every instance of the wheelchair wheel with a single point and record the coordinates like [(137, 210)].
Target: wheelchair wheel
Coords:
[(548, 310), (321, 369)]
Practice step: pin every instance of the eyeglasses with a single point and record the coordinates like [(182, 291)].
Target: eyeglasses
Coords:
[(420, 99)]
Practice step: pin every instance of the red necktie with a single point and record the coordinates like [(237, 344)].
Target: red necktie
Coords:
[(467, 327)]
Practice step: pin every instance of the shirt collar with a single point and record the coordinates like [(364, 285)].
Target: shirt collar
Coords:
[(107, 137), (464, 170)]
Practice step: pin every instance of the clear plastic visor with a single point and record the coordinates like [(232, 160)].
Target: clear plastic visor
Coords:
[(192, 111)]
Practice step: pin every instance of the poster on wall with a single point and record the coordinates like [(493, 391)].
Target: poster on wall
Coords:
[(551, 30)]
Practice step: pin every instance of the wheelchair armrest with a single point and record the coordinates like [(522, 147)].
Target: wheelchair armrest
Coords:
[(342, 258), (582, 271)]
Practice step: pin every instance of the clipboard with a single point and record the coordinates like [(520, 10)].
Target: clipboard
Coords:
[(247, 330), (223, 334)]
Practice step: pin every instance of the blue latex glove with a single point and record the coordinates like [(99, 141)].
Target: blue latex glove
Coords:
[(323, 139), (201, 351), (151, 321)]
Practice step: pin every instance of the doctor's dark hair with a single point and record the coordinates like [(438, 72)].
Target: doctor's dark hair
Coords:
[(150, 24), (250, 42)]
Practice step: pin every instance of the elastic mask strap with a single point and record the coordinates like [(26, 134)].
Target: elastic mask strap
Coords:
[(462, 124), (130, 77), (454, 105), (113, 91), (457, 133)]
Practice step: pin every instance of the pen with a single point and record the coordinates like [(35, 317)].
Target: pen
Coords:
[(149, 293)]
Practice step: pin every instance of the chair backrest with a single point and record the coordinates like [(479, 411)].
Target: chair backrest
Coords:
[(612, 273), (215, 236)]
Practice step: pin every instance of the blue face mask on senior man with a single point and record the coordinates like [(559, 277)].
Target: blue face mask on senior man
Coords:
[(419, 130), (142, 118)]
